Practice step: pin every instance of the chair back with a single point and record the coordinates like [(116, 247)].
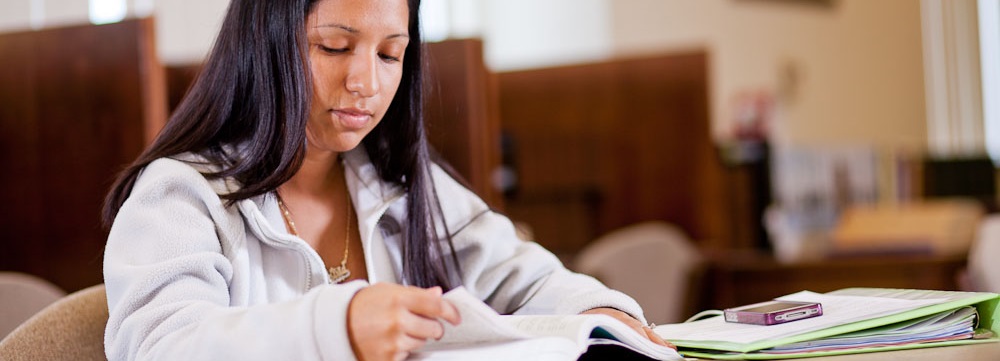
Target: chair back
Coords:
[(654, 262), (69, 329), (22, 296), (983, 269)]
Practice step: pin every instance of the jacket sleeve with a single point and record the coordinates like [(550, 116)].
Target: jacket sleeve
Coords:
[(168, 285), (511, 275)]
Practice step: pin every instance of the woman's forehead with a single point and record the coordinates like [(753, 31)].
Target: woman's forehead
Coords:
[(361, 16)]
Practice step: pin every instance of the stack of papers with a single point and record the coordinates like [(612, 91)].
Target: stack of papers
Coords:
[(837, 310), (949, 325), (854, 320)]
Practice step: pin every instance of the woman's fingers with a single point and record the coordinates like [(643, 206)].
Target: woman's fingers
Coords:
[(407, 343), (633, 323), (429, 303), (394, 349), (652, 336), (420, 327), (387, 321)]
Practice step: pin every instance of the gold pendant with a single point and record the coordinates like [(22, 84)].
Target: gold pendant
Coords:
[(339, 274)]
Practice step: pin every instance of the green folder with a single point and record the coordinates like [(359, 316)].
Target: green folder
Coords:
[(986, 304)]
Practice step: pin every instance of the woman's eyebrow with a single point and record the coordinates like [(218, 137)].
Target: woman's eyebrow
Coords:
[(356, 31), (340, 26)]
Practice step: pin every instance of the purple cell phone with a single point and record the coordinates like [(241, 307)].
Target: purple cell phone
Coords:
[(773, 312)]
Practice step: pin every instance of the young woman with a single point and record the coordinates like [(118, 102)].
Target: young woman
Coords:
[(289, 209)]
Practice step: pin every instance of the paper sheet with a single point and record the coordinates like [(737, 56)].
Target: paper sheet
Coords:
[(479, 322)]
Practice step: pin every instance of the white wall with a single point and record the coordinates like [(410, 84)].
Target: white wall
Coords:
[(524, 34), (65, 12), (859, 64), (19, 15), (186, 29), (15, 15), (521, 34)]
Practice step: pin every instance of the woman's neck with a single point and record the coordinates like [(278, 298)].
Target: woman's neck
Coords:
[(321, 173)]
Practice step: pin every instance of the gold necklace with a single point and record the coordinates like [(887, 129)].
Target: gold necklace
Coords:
[(337, 274)]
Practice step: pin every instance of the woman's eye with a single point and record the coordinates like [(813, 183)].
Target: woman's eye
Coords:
[(389, 58), (332, 50)]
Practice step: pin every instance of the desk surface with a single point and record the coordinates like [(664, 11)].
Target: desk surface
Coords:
[(980, 352)]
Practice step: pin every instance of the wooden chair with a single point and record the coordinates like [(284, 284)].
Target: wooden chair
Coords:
[(983, 269)]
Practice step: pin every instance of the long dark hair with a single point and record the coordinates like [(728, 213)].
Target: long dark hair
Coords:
[(255, 89)]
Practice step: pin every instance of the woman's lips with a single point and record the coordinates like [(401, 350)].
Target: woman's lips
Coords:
[(353, 118)]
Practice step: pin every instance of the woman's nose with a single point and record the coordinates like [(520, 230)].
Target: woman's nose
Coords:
[(362, 75)]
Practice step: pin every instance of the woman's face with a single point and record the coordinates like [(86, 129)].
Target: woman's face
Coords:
[(356, 55)]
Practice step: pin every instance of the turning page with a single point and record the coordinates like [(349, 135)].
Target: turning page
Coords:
[(483, 333)]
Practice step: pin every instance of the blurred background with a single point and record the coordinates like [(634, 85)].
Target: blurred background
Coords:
[(694, 153)]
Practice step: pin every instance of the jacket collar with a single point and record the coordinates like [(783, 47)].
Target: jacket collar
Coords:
[(372, 197)]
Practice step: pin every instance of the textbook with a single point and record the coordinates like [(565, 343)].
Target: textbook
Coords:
[(484, 334), (854, 320)]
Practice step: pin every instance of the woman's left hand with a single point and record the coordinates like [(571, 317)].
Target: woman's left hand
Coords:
[(631, 322)]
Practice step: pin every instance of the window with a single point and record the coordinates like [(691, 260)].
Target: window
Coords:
[(434, 20), (107, 11), (989, 54), (953, 78)]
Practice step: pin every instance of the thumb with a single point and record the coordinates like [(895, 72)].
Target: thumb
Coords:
[(436, 291)]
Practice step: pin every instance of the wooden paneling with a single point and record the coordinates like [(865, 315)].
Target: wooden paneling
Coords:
[(627, 139), (179, 80), (78, 104), (462, 117)]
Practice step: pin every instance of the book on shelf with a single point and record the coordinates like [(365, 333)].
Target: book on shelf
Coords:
[(484, 334), (854, 320)]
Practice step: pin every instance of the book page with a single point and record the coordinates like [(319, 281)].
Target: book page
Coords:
[(906, 294), (480, 323), (569, 326), (482, 330), (837, 310)]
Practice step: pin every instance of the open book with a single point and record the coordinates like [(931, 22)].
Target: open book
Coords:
[(857, 320), (485, 335)]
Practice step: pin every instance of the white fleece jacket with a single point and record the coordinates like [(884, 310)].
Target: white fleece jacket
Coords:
[(189, 278)]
